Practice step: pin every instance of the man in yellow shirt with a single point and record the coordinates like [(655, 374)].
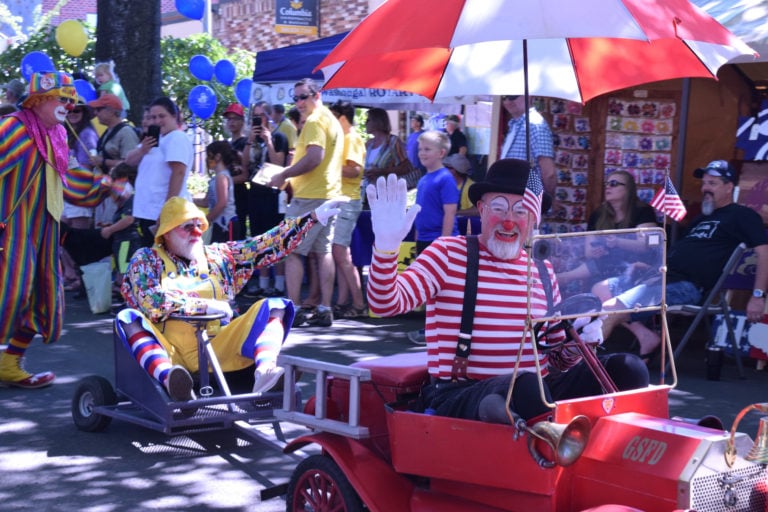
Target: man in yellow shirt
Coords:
[(314, 176)]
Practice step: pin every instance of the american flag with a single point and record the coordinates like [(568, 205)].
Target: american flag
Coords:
[(534, 190), (668, 201)]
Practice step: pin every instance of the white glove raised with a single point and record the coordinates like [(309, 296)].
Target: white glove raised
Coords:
[(391, 220), (590, 331), (327, 210), (214, 307)]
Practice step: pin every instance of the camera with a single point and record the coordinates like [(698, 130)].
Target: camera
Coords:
[(256, 120)]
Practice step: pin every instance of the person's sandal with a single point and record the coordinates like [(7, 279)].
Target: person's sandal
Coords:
[(353, 312)]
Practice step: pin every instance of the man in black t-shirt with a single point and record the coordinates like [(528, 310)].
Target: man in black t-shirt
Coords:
[(696, 261)]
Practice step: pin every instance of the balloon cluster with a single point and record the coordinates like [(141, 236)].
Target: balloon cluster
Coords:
[(71, 37), (202, 99)]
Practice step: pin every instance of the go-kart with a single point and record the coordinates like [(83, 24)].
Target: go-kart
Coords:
[(616, 451), (138, 398)]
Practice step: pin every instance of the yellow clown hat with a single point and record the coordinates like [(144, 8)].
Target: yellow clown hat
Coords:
[(51, 83), (176, 211)]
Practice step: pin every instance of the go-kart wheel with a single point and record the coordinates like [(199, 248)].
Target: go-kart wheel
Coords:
[(318, 484), (92, 391)]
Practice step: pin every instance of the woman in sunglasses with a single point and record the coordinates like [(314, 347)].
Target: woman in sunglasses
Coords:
[(81, 139), (622, 209)]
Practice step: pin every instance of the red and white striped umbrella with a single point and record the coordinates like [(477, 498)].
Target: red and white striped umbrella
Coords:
[(572, 49)]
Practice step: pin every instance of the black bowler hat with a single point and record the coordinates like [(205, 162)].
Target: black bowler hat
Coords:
[(507, 176)]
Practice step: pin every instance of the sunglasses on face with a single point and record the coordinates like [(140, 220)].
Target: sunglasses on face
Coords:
[(76, 111), (614, 184), (192, 226), (301, 97), (65, 101)]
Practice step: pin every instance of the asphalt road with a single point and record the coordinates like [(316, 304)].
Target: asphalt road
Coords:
[(47, 464)]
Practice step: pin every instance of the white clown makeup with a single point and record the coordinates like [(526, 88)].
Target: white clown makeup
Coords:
[(504, 221)]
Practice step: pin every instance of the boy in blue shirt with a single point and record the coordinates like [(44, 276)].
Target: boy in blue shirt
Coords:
[(436, 192)]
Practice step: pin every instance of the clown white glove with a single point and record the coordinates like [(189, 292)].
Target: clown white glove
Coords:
[(327, 210), (590, 330), (391, 220), (216, 307)]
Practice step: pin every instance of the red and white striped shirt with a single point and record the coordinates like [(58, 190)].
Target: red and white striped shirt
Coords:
[(437, 278)]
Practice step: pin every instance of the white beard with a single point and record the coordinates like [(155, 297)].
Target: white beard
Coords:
[(180, 246), (504, 250), (707, 205)]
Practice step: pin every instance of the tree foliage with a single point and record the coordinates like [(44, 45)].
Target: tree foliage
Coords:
[(176, 78)]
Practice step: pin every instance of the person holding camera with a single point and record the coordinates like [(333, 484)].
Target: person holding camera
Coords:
[(164, 159)]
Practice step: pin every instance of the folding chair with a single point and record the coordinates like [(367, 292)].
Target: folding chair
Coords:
[(716, 302)]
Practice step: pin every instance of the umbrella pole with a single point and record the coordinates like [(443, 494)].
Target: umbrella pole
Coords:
[(527, 105)]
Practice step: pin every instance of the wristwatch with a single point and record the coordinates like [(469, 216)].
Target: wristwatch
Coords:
[(760, 294)]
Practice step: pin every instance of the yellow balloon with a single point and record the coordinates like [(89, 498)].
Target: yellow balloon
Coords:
[(72, 37)]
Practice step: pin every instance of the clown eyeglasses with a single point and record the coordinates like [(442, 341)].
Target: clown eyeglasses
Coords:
[(65, 101), (502, 210)]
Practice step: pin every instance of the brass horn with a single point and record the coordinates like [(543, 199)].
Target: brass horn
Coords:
[(566, 442), (759, 451)]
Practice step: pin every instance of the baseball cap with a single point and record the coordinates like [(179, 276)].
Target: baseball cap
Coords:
[(16, 86), (458, 162), (107, 100), (719, 168), (235, 108)]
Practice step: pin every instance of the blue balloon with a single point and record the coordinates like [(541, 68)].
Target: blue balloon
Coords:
[(202, 101), (243, 91), (193, 9), (35, 62), (85, 90), (201, 67), (225, 72)]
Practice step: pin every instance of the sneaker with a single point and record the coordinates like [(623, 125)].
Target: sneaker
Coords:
[(301, 317), (179, 384), (417, 337), (322, 318), (353, 312)]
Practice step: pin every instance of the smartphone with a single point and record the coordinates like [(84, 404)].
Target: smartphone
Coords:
[(256, 120), (154, 131)]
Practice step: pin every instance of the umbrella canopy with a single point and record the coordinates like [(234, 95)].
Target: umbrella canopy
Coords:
[(574, 50)]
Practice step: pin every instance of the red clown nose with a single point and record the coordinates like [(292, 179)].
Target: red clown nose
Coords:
[(508, 225)]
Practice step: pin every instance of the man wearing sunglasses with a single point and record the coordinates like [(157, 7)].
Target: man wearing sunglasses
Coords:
[(180, 275), (35, 179), (314, 176)]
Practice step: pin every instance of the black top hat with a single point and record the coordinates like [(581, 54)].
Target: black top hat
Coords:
[(507, 176)]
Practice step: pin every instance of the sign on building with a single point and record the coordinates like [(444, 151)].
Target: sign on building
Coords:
[(297, 17)]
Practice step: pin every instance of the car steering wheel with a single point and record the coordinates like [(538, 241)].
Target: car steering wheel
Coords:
[(575, 305)]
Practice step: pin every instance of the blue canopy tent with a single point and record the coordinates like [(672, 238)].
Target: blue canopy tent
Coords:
[(277, 70), (293, 63)]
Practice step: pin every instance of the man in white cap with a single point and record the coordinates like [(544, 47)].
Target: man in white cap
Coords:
[(180, 275), (35, 179)]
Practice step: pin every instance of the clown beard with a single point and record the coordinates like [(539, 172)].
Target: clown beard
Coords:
[(504, 250), (184, 246)]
